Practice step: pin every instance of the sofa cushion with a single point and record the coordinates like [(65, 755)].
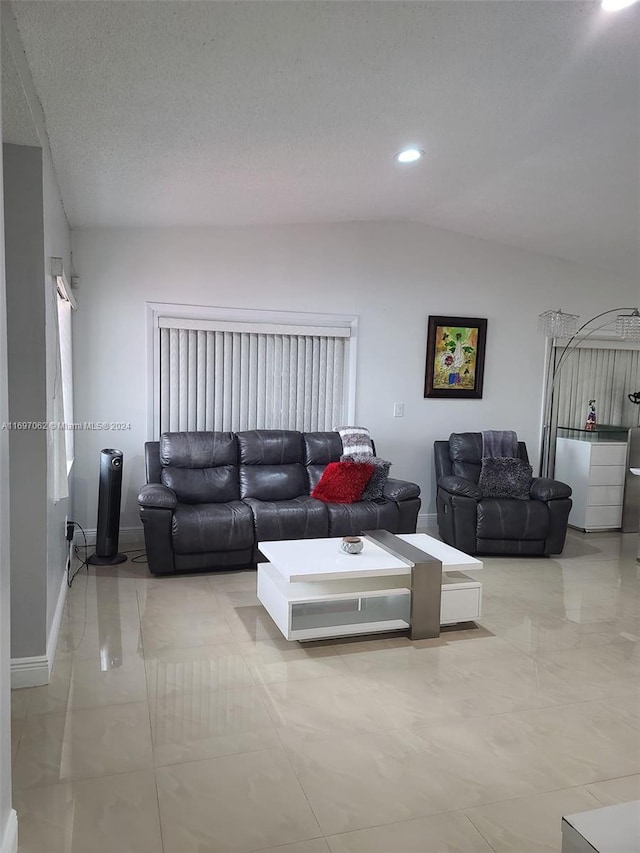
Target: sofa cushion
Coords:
[(353, 519), (198, 449), (343, 482), (201, 528), (270, 447), (504, 518), (465, 450), (465, 447), (203, 485), (314, 473), (505, 477), (320, 448), (273, 482), (299, 518)]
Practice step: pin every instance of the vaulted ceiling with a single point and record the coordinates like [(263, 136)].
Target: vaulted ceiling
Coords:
[(192, 113)]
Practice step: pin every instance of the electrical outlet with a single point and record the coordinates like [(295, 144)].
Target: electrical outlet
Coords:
[(398, 410), (68, 530)]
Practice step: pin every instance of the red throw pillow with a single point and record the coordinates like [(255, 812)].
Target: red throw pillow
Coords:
[(343, 482)]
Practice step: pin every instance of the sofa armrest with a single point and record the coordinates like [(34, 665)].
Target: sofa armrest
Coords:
[(400, 490), (157, 496), (544, 489), (459, 486)]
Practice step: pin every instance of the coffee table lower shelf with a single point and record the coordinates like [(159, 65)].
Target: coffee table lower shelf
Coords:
[(346, 607)]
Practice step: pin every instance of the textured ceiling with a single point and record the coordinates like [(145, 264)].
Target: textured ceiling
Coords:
[(183, 113)]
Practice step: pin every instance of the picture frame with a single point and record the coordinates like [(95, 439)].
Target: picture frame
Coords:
[(455, 358)]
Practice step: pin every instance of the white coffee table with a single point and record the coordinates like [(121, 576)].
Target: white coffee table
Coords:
[(312, 590), (610, 829)]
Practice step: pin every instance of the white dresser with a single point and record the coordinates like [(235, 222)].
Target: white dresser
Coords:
[(594, 465)]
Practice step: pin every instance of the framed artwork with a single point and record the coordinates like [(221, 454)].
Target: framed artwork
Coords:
[(455, 357)]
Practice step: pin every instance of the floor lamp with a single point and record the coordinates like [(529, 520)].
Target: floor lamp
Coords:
[(559, 326)]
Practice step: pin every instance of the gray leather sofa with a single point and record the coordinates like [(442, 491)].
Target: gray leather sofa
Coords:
[(212, 496), (480, 525)]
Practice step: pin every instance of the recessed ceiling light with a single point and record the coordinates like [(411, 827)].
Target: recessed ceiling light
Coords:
[(409, 155), (616, 5)]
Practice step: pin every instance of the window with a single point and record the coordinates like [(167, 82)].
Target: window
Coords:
[(62, 438), (64, 331), (244, 370)]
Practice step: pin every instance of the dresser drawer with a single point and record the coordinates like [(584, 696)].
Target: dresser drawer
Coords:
[(605, 496), (607, 475), (608, 454), (598, 517)]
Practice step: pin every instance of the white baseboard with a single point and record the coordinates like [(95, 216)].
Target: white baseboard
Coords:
[(128, 536), (29, 672), (9, 842), (427, 519), (36, 671), (54, 631)]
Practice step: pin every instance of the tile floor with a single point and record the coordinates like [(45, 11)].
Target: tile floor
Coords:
[(178, 720)]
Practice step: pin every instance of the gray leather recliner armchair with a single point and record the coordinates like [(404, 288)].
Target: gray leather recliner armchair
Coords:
[(478, 525)]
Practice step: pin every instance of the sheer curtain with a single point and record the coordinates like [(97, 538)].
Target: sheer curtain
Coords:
[(63, 447)]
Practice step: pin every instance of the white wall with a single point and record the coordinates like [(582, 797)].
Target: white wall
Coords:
[(8, 825), (39, 620), (57, 244), (24, 266), (392, 275)]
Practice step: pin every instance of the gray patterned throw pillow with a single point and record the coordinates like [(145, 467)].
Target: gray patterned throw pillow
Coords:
[(505, 477), (373, 491)]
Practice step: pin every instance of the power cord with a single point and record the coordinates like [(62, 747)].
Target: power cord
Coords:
[(139, 558), (71, 525)]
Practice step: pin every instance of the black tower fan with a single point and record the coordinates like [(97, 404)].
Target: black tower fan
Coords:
[(109, 491)]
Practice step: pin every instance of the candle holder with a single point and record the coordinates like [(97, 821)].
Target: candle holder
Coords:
[(351, 544)]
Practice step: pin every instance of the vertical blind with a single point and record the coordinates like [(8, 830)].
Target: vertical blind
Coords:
[(239, 379), (607, 376)]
